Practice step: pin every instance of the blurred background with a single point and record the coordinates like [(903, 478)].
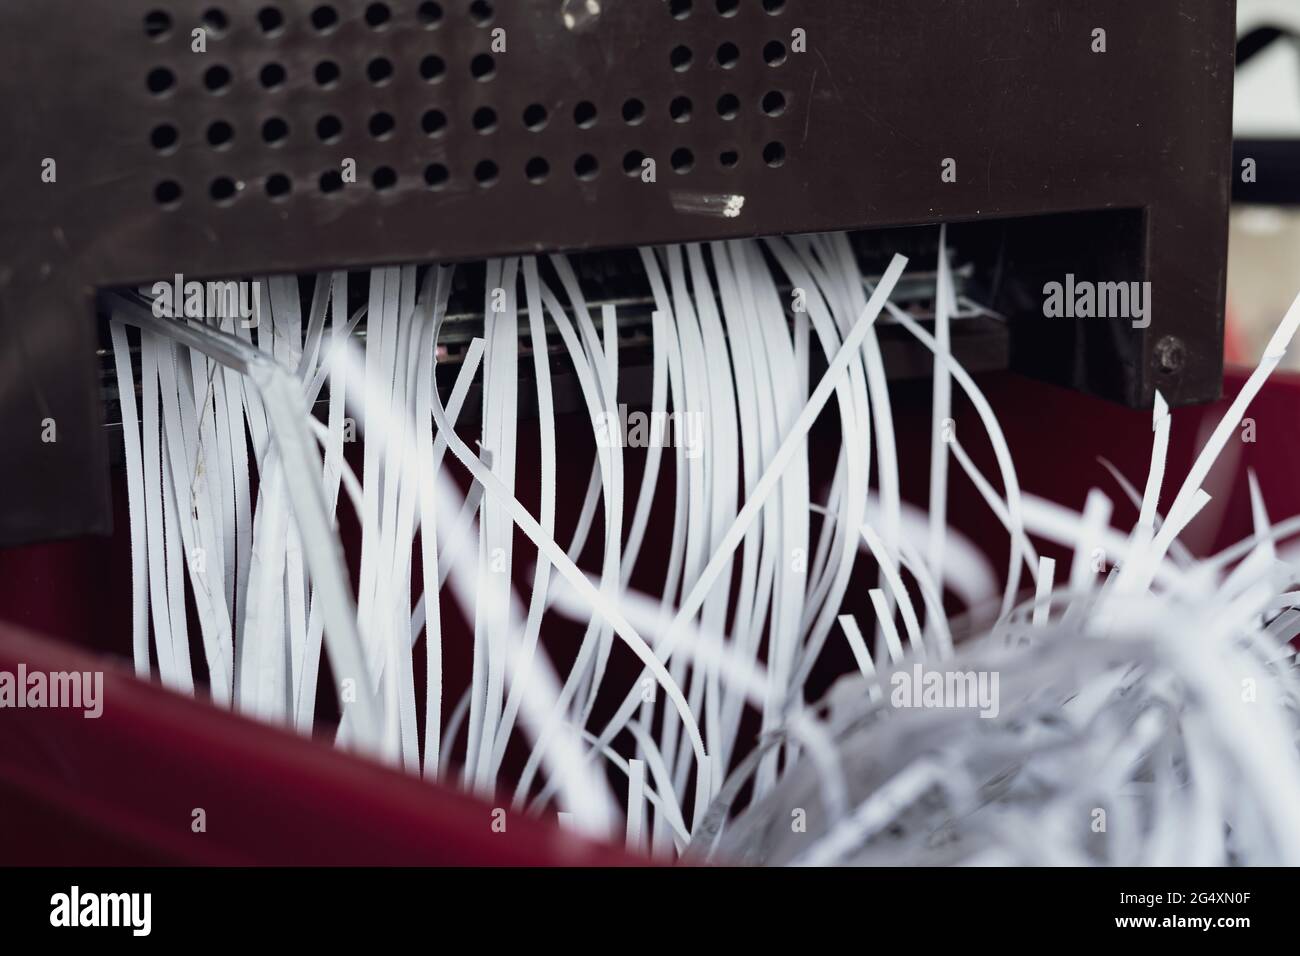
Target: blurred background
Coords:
[(1264, 247)]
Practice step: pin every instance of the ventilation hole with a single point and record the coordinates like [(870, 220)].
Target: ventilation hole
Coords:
[(271, 20), (381, 125), (774, 53), (164, 137), (774, 103), (482, 12), (728, 8), (586, 168), (773, 7), (379, 70), (223, 189), (632, 162), (326, 73), (680, 58), (272, 76), (485, 119), (324, 18), (537, 169), (220, 134), (482, 67), (633, 111), (535, 116), (385, 177), (432, 68), (216, 78), (680, 9), (774, 154), (378, 15), (728, 158), (278, 185), (728, 105), (680, 109), (329, 128), (435, 175), (584, 114), (160, 80), (433, 122), (728, 54), (331, 181), (682, 159), (486, 173), (274, 131), (215, 21), (430, 14), (167, 193), (157, 24)]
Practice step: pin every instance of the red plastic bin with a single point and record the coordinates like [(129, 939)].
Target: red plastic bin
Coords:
[(121, 789)]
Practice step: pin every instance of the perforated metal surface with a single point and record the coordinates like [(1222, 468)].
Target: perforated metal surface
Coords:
[(431, 100), (236, 143), (475, 127)]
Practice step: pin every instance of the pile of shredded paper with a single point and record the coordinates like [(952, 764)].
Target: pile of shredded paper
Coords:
[(1139, 711)]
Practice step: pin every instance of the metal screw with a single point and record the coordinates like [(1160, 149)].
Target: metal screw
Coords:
[(1170, 354)]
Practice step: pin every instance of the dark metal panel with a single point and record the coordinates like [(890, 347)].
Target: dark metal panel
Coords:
[(887, 90), (55, 465)]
